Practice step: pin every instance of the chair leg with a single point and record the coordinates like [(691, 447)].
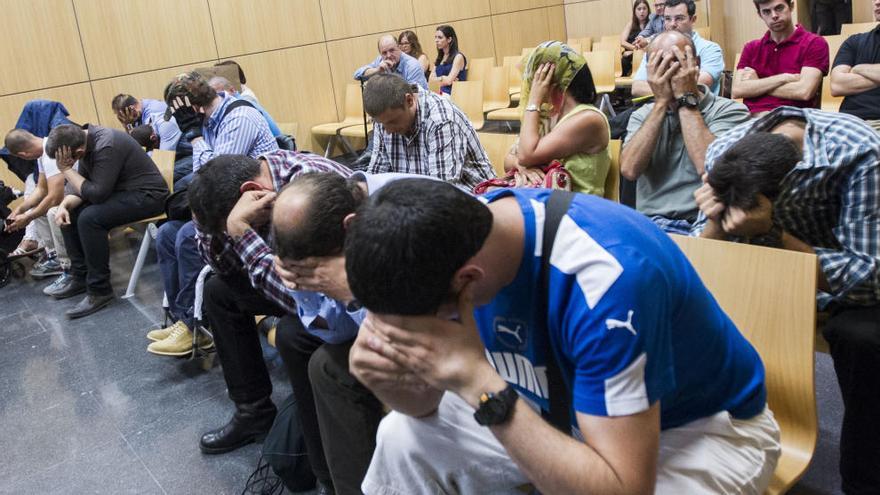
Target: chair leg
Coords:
[(139, 262), (330, 143), (345, 144)]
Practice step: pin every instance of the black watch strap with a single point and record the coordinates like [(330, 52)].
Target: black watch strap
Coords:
[(495, 408), (689, 100)]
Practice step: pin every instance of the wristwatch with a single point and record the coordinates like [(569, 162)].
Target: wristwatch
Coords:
[(689, 100), (495, 408), (532, 108)]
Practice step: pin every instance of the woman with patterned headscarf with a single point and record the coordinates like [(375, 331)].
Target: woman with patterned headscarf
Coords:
[(559, 121)]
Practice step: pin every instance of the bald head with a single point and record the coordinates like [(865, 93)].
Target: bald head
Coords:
[(389, 50), (664, 42), (23, 144)]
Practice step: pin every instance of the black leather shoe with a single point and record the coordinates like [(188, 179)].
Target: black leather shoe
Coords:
[(68, 287), (89, 305), (250, 423)]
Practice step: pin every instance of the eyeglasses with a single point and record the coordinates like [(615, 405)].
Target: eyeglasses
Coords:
[(678, 18), (404, 43), (659, 5)]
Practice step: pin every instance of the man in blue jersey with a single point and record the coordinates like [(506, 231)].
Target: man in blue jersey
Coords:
[(667, 395)]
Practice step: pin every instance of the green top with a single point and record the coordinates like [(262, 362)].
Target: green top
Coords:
[(588, 171)]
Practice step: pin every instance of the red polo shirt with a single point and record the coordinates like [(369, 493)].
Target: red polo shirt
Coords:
[(768, 58)]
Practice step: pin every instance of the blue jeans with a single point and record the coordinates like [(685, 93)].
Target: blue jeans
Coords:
[(180, 264), (183, 167)]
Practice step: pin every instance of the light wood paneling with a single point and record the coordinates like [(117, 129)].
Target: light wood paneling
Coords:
[(140, 35), (556, 23), (502, 6), (474, 38), (863, 11), (39, 45), (270, 25), (349, 18), (345, 56), (143, 85), (742, 24), (432, 12), (291, 94), (518, 30), (595, 19), (77, 99)]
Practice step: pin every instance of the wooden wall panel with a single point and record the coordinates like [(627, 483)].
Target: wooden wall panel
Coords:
[(350, 18), (294, 85), (474, 38), (741, 24), (39, 45), (77, 99), (518, 30), (503, 6), (863, 11), (142, 85), (345, 56), (266, 25), (123, 37), (556, 23), (596, 18), (433, 12)]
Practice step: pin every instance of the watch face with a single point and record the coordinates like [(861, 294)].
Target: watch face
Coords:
[(691, 100)]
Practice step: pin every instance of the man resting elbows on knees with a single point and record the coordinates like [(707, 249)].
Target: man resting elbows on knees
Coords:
[(667, 395)]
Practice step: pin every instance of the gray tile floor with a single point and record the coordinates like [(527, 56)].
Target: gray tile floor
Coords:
[(85, 409)]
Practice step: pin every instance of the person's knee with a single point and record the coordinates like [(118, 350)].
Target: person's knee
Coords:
[(857, 330), (216, 291), (185, 239), (165, 239)]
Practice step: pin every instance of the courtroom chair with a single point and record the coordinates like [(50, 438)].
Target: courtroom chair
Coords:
[(612, 180), (495, 89), (514, 80), (477, 68), (829, 103), (771, 296), (434, 86), (576, 47), (164, 160), (616, 50), (468, 96), (834, 42), (626, 82), (354, 116), (602, 67), (612, 39), (497, 147), (847, 30), (585, 43)]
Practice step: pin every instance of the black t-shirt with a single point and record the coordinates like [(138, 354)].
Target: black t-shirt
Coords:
[(858, 49)]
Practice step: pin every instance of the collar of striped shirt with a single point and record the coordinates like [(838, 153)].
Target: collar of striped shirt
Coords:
[(285, 165)]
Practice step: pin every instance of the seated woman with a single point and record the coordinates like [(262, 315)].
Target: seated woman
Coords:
[(450, 65), (640, 13), (409, 44), (560, 122)]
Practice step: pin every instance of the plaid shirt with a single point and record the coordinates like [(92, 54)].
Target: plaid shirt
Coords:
[(830, 200), (442, 144), (251, 252)]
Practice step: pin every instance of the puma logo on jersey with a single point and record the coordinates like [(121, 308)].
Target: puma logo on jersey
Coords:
[(515, 333), (611, 323)]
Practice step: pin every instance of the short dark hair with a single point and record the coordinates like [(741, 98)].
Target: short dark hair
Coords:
[(18, 140), (70, 135), (691, 6), (756, 164), (331, 197), (384, 91), (191, 85), (121, 101), (408, 240), (216, 187), (758, 4), (143, 134), (241, 77), (582, 88)]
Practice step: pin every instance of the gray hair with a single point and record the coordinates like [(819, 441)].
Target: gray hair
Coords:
[(385, 91), (220, 83)]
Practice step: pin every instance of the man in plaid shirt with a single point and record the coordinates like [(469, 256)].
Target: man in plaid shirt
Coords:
[(419, 132), (809, 181), (231, 198)]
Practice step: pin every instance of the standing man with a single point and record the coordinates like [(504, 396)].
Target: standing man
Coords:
[(393, 61), (680, 15), (422, 133), (785, 67), (666, 140), (116, 183), (856, 74)]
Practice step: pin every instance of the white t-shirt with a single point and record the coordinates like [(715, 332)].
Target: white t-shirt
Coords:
[(46, 164)]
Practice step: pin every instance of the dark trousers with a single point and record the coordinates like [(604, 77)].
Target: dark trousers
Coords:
[(230, 304), (339, 416), (828, 16), (86, 236), (854, 338), (180, 264)]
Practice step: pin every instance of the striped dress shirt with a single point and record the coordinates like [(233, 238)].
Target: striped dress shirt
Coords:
[(442, 144), (830, 200), (243, 132), (251, 252)]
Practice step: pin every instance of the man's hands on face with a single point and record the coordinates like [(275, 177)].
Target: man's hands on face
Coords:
[(446, 354), (386, 65), (324, 274), (375, 371), (189, 117), (684, 80), (749, 223), (64, 158), (708, 202), (128, 116), (661, 68), (253, 210)]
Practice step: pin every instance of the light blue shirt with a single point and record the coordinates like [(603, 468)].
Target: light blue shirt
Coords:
[(273, 126), (409, 68), (711, 61), (243, 132), (153, 114)]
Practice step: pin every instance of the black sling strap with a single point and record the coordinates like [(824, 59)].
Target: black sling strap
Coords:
[(560, 400), (235, 104)]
